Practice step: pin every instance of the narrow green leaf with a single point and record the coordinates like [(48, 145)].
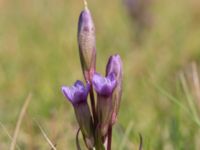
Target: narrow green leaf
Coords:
[(141, 142)]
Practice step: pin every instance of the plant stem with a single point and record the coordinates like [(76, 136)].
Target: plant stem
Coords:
[(93, 104), (85, 3), (109, 137)]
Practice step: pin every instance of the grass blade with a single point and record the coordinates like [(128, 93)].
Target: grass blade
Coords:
[(19, 121), (45, 136), (125, 138)]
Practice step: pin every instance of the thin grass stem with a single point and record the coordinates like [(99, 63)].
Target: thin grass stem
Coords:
[(125, 138), (45, 136), (19, 121)]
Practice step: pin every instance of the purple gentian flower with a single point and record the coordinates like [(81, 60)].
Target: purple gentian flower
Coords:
[(77, 93), (104, 86), (115, 66)]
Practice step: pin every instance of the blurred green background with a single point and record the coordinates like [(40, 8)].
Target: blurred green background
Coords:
[(39, 54)]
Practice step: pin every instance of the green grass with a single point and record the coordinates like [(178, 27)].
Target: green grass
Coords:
[(39, 54)]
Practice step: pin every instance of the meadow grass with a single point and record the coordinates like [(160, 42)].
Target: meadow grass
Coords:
[(39, 54)]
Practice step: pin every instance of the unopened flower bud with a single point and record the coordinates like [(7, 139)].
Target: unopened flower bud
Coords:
[(77, 95), (104, 86), (115, 66), (87, 43)]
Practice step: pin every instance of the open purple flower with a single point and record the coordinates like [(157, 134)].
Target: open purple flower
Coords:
[(104, 85), (77, 93), (115, 66)]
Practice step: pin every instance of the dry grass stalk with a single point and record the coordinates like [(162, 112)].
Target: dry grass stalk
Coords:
[(196, 82), (7, 133), (45, 136), (19, 121)]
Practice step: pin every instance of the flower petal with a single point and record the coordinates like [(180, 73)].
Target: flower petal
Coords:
[(76, 93), (67, 93), (104, 85), (114, 66)]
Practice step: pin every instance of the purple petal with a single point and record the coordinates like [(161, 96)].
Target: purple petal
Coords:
[(104, 85), (85, 21), (114, 65), (67, 93), (76, 93), (79, 85)]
